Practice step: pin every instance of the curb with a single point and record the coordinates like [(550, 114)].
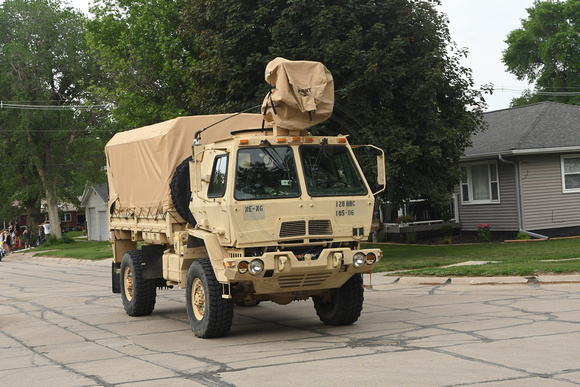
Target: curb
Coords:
[(378, 279)]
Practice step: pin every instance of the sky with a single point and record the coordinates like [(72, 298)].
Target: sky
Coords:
[(482, 27)]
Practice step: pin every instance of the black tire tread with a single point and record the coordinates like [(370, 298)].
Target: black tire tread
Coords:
[(346, 305), (219, 313), (144, 290), (180, 191)]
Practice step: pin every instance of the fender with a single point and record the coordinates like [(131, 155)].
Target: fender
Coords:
[(215, 251)]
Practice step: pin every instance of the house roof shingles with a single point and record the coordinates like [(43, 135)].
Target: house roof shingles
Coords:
[(544, 125), (103, 191)]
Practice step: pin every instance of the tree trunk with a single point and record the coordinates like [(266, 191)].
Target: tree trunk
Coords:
[(31, 217), (52, 209)]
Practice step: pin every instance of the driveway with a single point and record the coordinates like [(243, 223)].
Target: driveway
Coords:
[(60, 325)]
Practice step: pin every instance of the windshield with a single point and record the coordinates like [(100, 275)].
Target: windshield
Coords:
[(330, 171), (266, 173)]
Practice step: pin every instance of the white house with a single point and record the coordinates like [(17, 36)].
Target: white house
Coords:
[(95, 201)]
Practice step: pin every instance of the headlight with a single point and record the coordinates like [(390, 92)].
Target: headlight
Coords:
[(243, 267), (358, 259), (256, 266), (371, 258)]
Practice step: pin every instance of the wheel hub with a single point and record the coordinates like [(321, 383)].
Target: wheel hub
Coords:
[(198, 299), (128, 283)]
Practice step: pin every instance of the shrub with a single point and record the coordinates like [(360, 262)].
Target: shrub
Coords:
[(411, 237), (523, 236), (446, 231), (484, 232), (448, 240), (53, 241), (405, 219)]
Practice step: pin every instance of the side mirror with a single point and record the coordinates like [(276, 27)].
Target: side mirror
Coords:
[(381, 173)]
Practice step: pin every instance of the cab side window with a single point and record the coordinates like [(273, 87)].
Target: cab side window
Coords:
[(219, 173)]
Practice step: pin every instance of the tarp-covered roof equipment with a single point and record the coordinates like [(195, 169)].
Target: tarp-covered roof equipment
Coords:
[(302, 94)]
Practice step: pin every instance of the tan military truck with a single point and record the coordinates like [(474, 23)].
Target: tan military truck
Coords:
[(243, 208)]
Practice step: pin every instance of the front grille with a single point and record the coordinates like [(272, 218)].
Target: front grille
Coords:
[(292, 229), (302, 280), (319, 227), (298, 228)]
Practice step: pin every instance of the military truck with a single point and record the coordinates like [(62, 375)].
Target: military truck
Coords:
[(243, 208)]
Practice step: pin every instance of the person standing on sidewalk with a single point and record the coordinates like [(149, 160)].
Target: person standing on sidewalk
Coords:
[(7, 242), (26, 234), (46, 226)]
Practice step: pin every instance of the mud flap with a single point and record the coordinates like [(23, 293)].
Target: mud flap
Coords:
[(116, 277), (152, 261)]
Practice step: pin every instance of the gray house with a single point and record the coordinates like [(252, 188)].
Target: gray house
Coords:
[(523, 172), (95, 201)]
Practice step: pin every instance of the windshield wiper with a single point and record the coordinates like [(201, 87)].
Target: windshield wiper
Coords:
[(271, 152), (321, 152)]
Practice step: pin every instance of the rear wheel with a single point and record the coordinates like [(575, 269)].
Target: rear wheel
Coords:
[(137, 292), (209, 314), (344, 305)]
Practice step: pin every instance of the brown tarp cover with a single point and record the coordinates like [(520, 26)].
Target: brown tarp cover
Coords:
[(141, 162), (302, 94)]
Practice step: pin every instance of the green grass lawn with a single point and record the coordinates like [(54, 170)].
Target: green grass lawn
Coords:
[(80, 249), (529, 258)]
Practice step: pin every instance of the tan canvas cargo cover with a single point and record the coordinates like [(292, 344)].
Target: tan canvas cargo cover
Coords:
[(141, 162), (302, 94)]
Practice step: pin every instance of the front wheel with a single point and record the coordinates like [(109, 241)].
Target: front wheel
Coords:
[(137, 292), (344, 305), (209, 314)]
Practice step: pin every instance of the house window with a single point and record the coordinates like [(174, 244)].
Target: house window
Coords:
[(66, 217), (571, 173), (480, 183)]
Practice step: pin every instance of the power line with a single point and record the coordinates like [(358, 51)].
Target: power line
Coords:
[(21, 106), (519, 90), (58, 130)]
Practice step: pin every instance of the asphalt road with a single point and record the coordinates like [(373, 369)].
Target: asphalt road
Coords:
[(60, 325)]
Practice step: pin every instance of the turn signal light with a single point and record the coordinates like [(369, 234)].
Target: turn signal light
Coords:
[(243, 267)]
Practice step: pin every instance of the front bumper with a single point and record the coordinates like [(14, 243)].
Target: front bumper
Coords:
[(283, 272)]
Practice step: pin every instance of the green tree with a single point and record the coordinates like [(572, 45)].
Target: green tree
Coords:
[(396, 71), (142, 52), (546, 51), (50, 148)]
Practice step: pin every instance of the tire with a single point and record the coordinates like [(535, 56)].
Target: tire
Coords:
[(137, 292), (209, 314), (180, 189), (346, 304)]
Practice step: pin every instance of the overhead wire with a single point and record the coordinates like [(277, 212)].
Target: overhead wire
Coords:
[(22, 106)]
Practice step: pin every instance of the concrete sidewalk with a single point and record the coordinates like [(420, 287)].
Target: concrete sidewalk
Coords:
[(386, 279)]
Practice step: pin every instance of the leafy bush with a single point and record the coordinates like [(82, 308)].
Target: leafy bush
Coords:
[(405, 219), (446, 231), (523, 236), (54, 241), (484, 232), (447, 240)]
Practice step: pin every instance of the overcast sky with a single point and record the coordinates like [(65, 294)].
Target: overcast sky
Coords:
[(482, 26)]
